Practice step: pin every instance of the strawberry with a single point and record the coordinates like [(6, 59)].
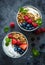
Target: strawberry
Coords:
[(34, 24), (29, 21), (14, 41), (26, 18), (23, 46), (42, 29), (10, 36), (18, 42), (12, 25), (38, 31)]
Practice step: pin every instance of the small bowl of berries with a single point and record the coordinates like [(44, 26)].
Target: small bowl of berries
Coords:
[(15, 44), (29, 18)]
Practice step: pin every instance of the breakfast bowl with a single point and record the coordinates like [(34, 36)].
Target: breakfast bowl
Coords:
[(15, 44), (29, 18)]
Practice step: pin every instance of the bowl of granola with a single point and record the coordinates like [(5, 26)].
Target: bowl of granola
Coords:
[(29, 18), (15, 44)]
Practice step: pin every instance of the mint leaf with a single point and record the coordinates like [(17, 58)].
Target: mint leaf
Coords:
[(7, 44)]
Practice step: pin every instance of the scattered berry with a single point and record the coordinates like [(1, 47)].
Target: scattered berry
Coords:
[(38, 38), (12, 24), (38, 31), (33, 44), (42, 29), (32, 39), (42, 46)]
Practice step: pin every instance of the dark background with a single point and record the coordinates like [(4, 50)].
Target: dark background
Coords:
[(8, 11)]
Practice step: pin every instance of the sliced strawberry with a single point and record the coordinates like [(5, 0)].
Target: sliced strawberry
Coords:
[(23, 46), (10, 36), (34, 24), (14, 41)]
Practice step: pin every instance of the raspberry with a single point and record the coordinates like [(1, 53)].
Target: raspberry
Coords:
[(14, 41), (26, 18), (42, 29), (12, 24), (18, 42), (10, 36), (29, 21), (38, 31), (34, 24)]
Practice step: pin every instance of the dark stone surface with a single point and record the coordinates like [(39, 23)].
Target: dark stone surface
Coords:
[(8, 11)]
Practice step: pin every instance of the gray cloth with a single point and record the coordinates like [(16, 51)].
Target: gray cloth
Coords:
[(8, 11)]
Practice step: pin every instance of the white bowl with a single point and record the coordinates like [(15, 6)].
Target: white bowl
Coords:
[(34, 28), (9, 51)]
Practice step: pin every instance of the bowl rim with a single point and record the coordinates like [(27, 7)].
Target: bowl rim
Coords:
[(22, 27), (25, 50)]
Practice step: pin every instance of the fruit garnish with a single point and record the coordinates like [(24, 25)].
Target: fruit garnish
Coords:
[(18, 42), (6, 29), (14, 41), (35, 52), (29, 21), (26, 18), (40, 30), (12, 24), (23, 46), (7, 40), (10, 36), (7, 44), (39, 21), (34, 24), (23, 10)]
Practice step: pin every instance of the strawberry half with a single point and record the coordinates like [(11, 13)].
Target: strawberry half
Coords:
[(14, 41), (23, 46)]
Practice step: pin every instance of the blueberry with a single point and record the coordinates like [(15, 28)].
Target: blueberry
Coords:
[(28, 25), (26, 28), (24, 24), (30, 28), (21, 51), (38, 38), (33, 38), (33, 44), (42, 46), (15, 49)]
